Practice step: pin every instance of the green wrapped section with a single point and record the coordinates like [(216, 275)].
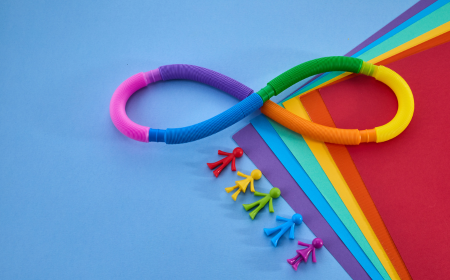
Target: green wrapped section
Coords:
[(314, 67), (266, 93)]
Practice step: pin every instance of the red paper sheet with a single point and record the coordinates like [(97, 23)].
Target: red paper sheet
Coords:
[(407, 177), (318, 113)]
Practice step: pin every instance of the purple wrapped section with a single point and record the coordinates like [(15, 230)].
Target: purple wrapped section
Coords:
[(205, 76)]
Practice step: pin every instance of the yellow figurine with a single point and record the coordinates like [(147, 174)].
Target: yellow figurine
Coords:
[(242, 184)]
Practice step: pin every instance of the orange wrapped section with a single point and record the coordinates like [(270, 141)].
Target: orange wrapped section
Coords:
[(310, 129), (368, 135)]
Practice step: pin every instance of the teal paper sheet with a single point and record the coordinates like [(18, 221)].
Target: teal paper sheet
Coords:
[(268, 133), (305, 157), (429, 18), (428, 10), (315, 172)]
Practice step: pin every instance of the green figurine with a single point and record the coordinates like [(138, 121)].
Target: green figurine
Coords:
[(268, 197)]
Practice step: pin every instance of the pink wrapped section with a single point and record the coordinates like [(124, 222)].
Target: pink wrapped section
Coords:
[(119, 101)]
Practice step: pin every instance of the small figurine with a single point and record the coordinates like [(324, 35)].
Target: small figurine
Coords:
[(242, 184), (231, 157), (302, 255), (289, 223), (268, 197)]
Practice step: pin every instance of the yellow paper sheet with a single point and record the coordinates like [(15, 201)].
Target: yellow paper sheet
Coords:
[(327, 163), (323, 156), (414, 42)]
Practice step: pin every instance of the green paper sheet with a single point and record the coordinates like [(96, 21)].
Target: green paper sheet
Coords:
[(433, 20), (305, 157)]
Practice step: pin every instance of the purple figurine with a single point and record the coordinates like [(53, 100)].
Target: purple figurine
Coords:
[(304, 253), (289, 224)]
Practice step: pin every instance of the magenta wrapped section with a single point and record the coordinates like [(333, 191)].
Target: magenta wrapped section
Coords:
[(119, 101), (186, 134)]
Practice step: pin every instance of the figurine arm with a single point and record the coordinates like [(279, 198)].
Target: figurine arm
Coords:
[(303, 244), (291, 233), (252, 185), (271, 206), (239, 173), (314, 255), (222, 153), (282, 219), (259, 194), (233, 164)]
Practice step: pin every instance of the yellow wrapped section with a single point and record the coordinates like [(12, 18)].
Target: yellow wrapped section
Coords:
[(405, 103)]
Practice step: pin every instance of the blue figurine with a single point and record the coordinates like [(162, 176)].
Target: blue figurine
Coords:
[(289, 223)]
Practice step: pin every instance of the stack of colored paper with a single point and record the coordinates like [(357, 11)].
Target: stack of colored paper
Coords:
[(380, 208)]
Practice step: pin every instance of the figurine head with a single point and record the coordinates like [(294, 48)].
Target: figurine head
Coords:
[(238, 152), (297, 219), (275, 192), (256, 174), (317, 243)]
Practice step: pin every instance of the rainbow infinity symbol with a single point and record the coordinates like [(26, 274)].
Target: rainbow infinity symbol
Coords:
[(251, 101)]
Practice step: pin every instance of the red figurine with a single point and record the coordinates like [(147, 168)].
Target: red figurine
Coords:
[(231, 157)]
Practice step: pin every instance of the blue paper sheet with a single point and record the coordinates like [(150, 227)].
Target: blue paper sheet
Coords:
[(270, 136)]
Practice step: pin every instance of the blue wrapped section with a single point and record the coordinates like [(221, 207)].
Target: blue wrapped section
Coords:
[(215, 124), (156, 135)]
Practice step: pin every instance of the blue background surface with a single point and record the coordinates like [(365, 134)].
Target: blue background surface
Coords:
[(78, 200)]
